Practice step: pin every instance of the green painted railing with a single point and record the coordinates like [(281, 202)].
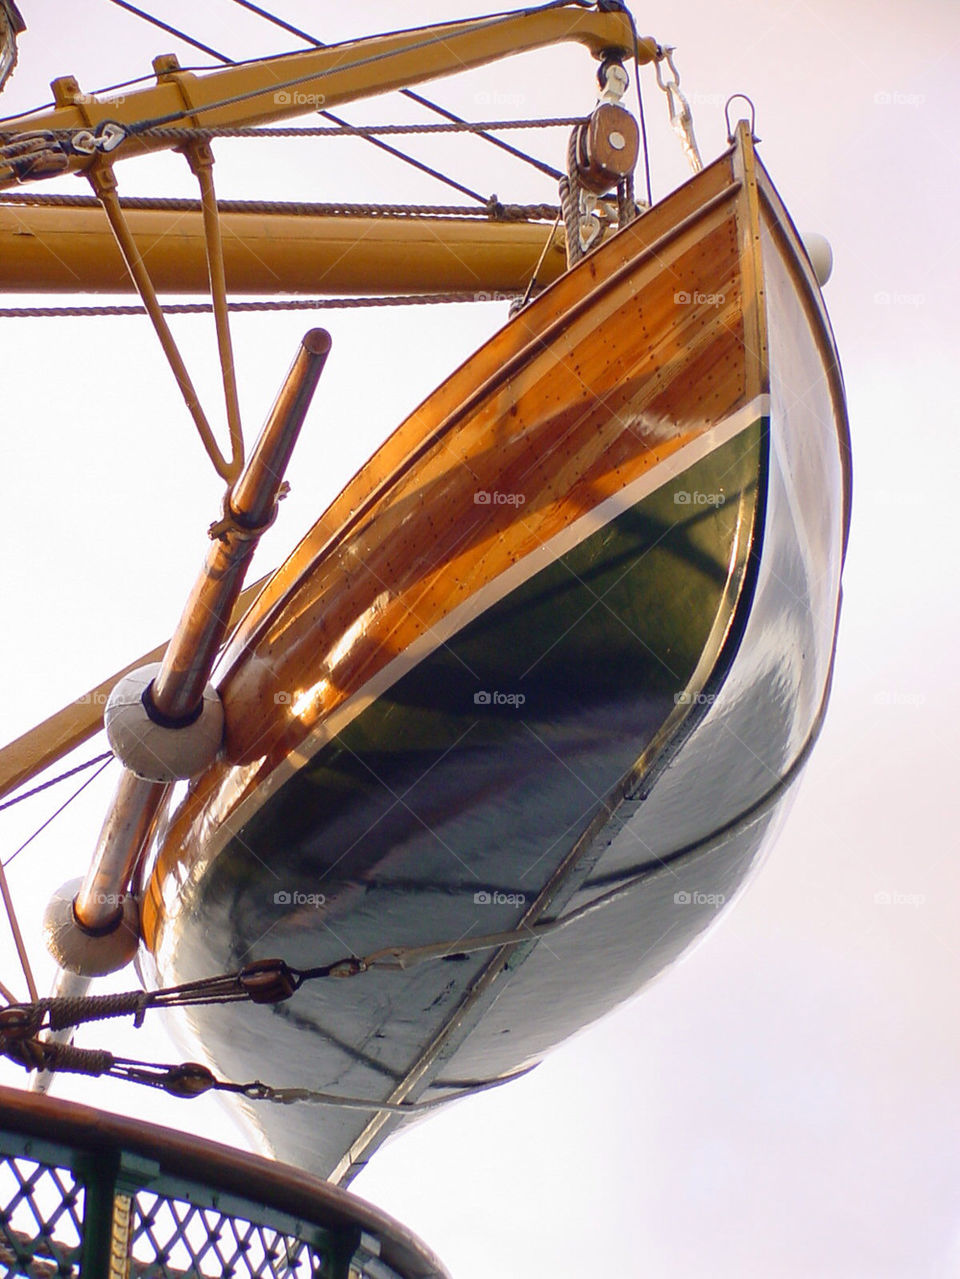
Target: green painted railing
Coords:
[(90, 1194)]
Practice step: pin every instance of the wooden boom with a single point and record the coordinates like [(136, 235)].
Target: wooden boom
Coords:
[(52, 249)]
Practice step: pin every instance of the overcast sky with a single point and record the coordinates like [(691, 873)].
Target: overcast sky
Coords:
[(784, 1102)]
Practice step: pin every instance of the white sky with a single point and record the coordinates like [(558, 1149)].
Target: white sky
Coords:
[(785, 1101)]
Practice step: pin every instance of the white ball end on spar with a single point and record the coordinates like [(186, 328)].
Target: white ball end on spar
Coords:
[(820, 254), (154, 751), (86, 953)]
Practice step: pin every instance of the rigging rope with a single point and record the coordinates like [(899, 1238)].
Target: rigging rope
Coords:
[(484, 24), (191, 1079), (328, 115), (409, 94), (106, 760), (493, 209), (17, 799), (287, 304), (165, 26), (356, 130), (271, 981), (640, 112)]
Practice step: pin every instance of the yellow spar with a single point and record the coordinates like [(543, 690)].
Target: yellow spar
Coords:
[(279, 88), (51, 249)]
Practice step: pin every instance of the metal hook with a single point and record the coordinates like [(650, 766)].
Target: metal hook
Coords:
[(753, 115)]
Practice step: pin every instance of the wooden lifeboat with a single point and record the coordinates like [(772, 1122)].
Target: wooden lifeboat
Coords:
[(556, 652)]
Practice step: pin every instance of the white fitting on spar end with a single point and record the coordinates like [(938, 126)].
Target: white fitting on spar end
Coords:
[(82, 952), (159, 752), (820, 254)]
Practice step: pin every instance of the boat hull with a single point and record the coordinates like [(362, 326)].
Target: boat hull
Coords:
[(568, 632)]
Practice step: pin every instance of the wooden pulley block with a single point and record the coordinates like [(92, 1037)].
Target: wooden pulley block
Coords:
[(609, 144)]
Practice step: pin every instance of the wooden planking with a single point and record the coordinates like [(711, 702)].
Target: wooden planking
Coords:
[(582, 420), (528, 328), (568, 401)]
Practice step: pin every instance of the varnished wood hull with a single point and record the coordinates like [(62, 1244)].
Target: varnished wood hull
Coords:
[(569, 625)]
